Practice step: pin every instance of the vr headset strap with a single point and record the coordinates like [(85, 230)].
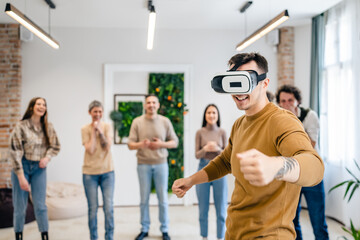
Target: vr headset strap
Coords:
[(234, 68), (261, 77)]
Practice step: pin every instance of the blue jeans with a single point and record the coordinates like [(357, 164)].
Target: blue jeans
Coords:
[(220, 192), (91, 184), (160, 174), (315, 199), (36, 177)]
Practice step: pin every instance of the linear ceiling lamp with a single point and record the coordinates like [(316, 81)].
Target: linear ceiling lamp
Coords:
[(279, 19), (151, 26), (245, 6), (26, 22)]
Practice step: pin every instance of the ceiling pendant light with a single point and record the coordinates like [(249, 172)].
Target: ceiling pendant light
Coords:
[(30, 25), (151, 26), (279, 19)]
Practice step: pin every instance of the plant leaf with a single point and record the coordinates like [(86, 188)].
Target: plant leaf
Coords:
[(352, 175), (348, 187), (336, 186), (357, 165), (346, 230), (352, 226), (353, 191)]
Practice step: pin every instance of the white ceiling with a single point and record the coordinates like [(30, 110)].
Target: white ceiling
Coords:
[(171, 14)]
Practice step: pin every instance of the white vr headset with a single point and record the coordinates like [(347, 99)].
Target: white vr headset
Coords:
[(236, 82)]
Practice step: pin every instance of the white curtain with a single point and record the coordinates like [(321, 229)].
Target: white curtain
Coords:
[(340, 91)]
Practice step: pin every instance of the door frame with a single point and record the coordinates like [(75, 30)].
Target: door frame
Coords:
[(109, 71)]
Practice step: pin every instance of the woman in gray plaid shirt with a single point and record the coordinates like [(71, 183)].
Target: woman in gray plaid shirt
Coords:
[(33, 143)]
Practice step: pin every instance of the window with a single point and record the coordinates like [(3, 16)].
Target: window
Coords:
[(339, 116)]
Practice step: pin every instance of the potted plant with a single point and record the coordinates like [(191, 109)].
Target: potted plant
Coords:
[(351, 186), (124, 115), (117, 119)]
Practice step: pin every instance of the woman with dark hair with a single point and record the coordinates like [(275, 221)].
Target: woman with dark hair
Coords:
[(33, 143), (210, 141)]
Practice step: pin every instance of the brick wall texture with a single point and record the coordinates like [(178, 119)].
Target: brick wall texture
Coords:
[(10, 93), (285, 56)]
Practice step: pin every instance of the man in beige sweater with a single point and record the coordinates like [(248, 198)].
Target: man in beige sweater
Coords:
[(151, 135), (270, 156)]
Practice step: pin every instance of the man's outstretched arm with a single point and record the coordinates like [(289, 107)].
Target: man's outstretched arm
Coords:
[(182, 185)]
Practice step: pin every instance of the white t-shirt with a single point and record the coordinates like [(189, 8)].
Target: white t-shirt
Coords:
[(312, 126)]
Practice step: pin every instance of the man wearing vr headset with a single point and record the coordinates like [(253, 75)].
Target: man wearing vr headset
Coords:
[(269, 154)]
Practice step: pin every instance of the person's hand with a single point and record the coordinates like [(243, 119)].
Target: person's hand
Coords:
[(43, 162), (258, 168), (181, 186), (145, 143), (211, 146), (24, 184), (97, 127), (155, 144)]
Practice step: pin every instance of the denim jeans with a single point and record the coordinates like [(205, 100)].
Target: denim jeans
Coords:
[(160, 174), (106, 183), (315, 199), (220, 192), (36, 177)]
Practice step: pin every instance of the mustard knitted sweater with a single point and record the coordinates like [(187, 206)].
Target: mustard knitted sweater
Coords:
[(266, 212)]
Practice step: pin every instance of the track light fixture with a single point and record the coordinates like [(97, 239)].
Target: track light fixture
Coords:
[(26, 22), (151, 26), (245, 6), (279, 19)]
